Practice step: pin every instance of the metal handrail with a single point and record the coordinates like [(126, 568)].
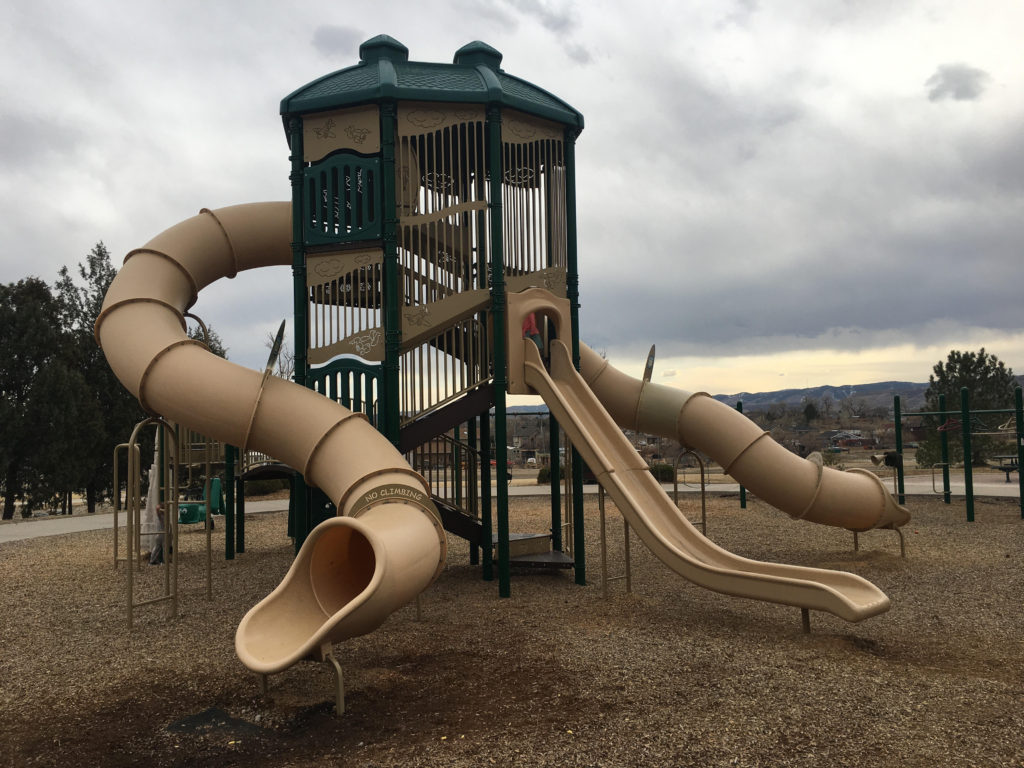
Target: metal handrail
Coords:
[(463, 484), (627, 575), (134, 508), (939, 464), (703, 487), (117, 498)]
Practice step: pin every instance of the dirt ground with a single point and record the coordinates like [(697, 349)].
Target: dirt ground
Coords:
[(668, 675)]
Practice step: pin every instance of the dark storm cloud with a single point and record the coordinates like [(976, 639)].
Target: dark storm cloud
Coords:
[(959, 82), (752, 223), (894, 287), (338, 42)]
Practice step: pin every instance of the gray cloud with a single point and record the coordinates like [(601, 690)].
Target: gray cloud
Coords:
[(579, 53), (338, 42), (553, 16), (959, 82), (739, 14)]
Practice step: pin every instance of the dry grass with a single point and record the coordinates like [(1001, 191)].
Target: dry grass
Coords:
[(554, 676)]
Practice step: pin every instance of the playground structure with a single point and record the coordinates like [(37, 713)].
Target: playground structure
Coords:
[(433, 210)]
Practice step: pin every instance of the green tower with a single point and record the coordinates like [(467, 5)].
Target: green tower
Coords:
[(423, 193)]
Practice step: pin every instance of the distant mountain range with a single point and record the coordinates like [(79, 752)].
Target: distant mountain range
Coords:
[(878, 395), (869, 396)]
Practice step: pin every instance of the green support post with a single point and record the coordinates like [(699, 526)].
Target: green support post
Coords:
[(486, 527), (474, 501), (897, 414), (229, 502), (240, 518), (579, 542), (1018, 409), (947, 496), (500, 356), (965, 429), (392, 319), (457, 469), (300, 329), (572, 292), (743, 490), (554, 443)]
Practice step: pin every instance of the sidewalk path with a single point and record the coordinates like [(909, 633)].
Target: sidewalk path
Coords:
[(914, 485), (34, 527)]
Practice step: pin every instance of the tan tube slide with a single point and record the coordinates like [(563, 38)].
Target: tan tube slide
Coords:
[(353, 571), (657, 520), (802, 488)]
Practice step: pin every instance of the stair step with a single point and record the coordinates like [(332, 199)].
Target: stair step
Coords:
[(552, 559), (520, 544)]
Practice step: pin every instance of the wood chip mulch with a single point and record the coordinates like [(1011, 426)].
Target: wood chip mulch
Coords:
[(667, 675)]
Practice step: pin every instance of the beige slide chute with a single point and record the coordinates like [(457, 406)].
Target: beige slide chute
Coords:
[(353, 571), (595, 404), (659, 523)]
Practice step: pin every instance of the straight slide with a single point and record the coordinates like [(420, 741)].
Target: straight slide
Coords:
[(660, 524)]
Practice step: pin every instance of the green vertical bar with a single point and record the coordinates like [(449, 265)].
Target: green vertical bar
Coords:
[(392, 327), (457, 469), (474, 499), (486, 528), (965, 428), (572, 292), (554, 441), (743, 490), (947, 497), (579, 542), (499, 320), (240, 518), (897, 416), (300, 329), (229, 502), (1018, 408)]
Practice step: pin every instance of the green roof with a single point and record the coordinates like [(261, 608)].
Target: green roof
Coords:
[(385, 73)]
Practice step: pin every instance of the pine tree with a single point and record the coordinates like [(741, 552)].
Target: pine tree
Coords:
[(115, 410), (990, 385), (35, 404)]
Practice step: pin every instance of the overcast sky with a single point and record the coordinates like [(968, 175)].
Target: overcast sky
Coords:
[(777, 194)]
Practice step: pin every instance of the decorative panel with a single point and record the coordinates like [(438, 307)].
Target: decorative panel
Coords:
[(341, 200), (533, 194), (356, 129), (344, 291)]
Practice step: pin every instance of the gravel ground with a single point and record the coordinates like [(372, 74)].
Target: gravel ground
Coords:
[(667, 675)]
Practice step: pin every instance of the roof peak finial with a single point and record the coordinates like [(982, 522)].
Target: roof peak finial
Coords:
[(383, 47), (478, 52)]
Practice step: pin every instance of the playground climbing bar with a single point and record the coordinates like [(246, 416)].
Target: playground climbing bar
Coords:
[(962, 418)]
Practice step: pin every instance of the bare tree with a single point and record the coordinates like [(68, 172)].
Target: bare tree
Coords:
[(285, 359)]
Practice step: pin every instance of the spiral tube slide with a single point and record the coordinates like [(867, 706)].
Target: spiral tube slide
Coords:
[(802, 488), (353, 571)]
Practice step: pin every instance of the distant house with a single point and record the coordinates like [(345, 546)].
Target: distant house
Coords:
[(857, 442)]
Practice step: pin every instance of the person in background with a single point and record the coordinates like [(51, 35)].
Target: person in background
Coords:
[(156, 556), (531, 331)]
